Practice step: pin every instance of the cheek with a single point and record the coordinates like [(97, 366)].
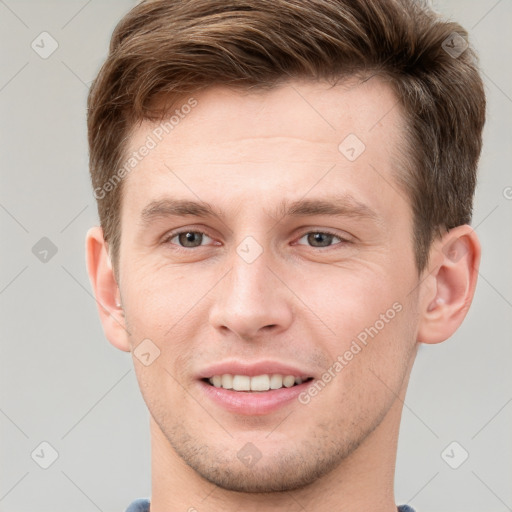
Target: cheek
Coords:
[(373, 319), (156, 299), (348, 300), (345, 299), (164, 306), (387, 344)]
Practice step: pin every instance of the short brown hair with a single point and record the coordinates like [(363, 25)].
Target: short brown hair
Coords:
[(171, 48)]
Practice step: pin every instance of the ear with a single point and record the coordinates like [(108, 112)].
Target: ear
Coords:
[(106, 291), (450, 284)]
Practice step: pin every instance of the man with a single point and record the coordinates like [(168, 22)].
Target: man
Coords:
[(285, 189)]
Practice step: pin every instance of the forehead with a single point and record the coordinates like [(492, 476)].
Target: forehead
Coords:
[(274, 143), (301, 108)]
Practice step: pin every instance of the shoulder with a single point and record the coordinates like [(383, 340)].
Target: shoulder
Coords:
[(140, 505)]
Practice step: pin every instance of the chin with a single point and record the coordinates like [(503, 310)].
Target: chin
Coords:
[(280, 474), (273, 469)]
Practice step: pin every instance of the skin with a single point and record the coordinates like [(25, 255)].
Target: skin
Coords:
[(297, 303)]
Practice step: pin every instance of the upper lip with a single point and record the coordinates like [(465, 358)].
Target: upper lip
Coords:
[(252, 369)]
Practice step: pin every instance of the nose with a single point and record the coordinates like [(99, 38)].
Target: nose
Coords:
[(252, 300)]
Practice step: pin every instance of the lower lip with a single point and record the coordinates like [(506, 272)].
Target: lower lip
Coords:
[(253, 403)]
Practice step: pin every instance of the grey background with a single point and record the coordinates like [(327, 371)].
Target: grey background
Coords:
[(63, 383)]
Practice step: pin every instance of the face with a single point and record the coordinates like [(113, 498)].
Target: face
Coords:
[(266, 249)]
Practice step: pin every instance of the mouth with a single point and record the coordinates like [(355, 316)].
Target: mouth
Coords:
[(256, 384), (253, 388)]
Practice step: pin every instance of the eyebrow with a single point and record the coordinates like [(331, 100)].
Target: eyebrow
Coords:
[(336, 206)]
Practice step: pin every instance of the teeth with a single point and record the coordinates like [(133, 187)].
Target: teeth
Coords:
[(260, 383), (227, 381), (241, 383), (288, 381), (257, 383), (276, 382)]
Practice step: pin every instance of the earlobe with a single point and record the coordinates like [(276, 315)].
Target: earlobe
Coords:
[(106, 291), (451, 283)]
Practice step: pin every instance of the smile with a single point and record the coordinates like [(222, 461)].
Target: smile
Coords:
[(258, 383)]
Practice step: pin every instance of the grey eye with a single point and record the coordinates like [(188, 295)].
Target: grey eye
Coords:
[(189, 239), (319, 238)]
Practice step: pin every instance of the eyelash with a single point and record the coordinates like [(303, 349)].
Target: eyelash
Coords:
[(172, 235)]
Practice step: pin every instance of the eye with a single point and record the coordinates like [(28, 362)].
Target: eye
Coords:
[(190, 239), (321, 238), (187, 239)]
